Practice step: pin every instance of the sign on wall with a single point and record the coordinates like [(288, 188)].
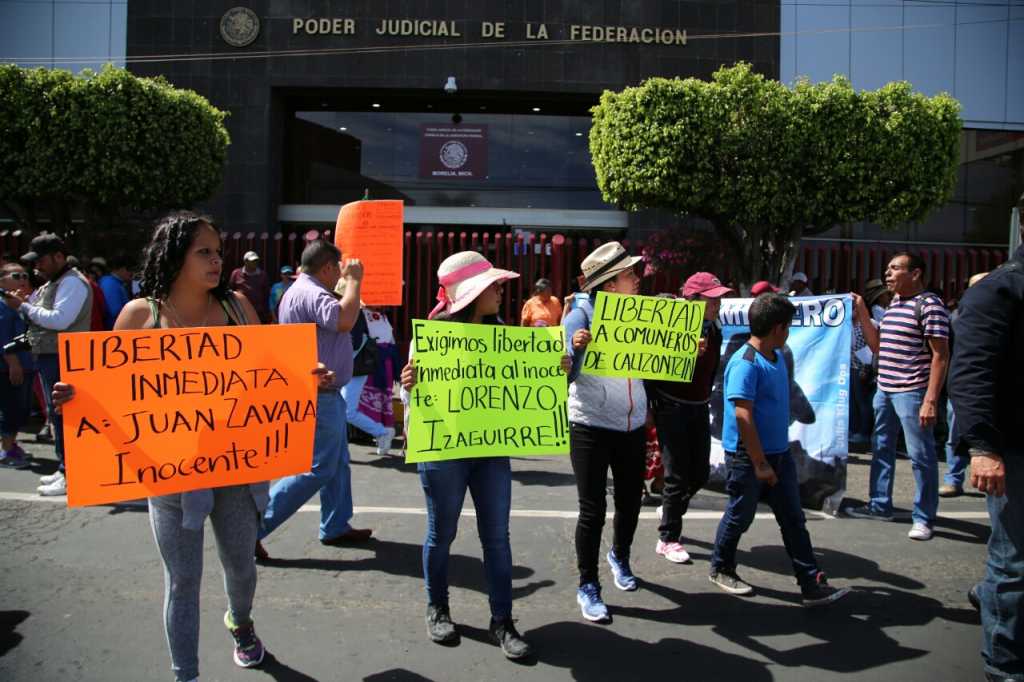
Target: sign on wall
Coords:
[(453, 151)]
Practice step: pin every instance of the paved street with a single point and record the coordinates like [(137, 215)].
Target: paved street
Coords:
[(82, 591)]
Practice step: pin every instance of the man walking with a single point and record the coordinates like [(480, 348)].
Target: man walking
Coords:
[(62, 304), (312, 300), (986, 384), (913, 353), (251, 281), (684, 426)]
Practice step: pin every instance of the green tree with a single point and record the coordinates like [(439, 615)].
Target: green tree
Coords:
[(103, 146), (766, 164)]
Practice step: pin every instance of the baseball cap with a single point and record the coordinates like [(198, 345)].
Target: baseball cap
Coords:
[(763, 287), (705, 283), (798, 277), (287, 270), (44, 245), (250, 256)]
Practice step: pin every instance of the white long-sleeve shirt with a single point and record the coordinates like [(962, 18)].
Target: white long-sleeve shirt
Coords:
[(71, 295)]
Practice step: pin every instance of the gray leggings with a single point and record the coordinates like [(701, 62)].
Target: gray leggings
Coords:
[(235, 520)]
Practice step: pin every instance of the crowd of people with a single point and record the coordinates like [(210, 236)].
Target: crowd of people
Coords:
[(901, 353)]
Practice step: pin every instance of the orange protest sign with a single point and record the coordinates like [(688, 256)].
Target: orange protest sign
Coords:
[(372, 232), (160, 411)]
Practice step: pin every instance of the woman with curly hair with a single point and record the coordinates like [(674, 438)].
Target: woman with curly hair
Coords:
[(183, 285)]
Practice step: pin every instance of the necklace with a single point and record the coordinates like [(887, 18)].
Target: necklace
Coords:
[(175, 317)]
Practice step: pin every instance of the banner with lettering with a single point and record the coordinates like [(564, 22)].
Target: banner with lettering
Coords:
[(644, 337), (161, 411), (487, 391), (817, 355), (372, 232)]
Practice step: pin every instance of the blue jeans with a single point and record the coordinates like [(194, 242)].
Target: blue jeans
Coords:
[(351, 392), (331, 475), (49, 374), (893, 410), (745, 491), (956, 462), (489, 481), (1002, 590)]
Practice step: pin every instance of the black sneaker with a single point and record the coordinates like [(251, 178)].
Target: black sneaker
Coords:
[(730, 582), (504, 633), (820, 592), (440, 627), (45, 434), (974, 598)]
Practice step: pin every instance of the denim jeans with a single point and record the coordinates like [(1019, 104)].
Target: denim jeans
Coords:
[(489, 481), (893, 410), (684, 432), (331, 475), (351, 392), (1002, 590), (593, 451), (956, 462), (15, 402), (745, 491), (49, 373)]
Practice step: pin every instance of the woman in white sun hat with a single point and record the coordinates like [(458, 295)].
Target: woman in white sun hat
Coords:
[(471, 291), (606, 430)]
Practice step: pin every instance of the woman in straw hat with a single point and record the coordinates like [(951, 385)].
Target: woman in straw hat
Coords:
[(606, 428), (471, 291)]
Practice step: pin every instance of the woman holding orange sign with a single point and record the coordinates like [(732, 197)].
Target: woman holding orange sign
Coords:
[(184, 284)]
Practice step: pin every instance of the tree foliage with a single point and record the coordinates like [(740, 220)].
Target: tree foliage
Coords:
[(96, 145), (766, 164)]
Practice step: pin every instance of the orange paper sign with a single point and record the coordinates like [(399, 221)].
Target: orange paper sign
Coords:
[(372, 232), (162, 411)]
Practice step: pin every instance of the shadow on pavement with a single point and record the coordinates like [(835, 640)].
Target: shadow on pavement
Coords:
[(9, 622), (551, 479), (595, 652), (281, 672), (396, 675), (406, 559)]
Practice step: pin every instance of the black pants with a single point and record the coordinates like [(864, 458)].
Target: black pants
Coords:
[(684, 432), (593, 451)]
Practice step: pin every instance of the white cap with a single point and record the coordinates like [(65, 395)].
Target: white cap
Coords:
[(798, 277), (250, 256)]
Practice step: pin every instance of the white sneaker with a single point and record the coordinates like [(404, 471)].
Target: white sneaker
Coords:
[(47, 480), (57, 487), (673, 551), (920, 532), (384, 441)]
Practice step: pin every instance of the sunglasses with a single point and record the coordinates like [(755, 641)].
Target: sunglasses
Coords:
[(17, 275)]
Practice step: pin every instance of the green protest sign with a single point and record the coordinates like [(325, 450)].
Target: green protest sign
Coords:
[(644, 337), (486, 390)]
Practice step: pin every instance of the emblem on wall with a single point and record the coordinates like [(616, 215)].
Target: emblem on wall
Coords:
[(454, 154), (239, 26)]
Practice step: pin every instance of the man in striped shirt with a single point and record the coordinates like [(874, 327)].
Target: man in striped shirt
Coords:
[(912, 344)]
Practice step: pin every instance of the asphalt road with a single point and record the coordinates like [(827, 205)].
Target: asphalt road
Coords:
[(82, 590)]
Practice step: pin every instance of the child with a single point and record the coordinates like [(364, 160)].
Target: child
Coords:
[(755, 436)]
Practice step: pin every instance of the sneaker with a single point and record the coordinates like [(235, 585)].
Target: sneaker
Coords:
[(440, 627), (588, 596), (949, 490), (974, 598), (47, 480), (15, 458), (45, 434), (248, 647), (920, 531), (868, 512), (731, 583), (384, 441), (512, 644), (819, 592), (59, 486), (673, 551), (624, 578), (260, 553)]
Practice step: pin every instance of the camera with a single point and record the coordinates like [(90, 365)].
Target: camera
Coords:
[(18, 344)]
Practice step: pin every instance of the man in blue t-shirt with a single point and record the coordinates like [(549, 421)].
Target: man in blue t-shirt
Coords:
[(755, 436)]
